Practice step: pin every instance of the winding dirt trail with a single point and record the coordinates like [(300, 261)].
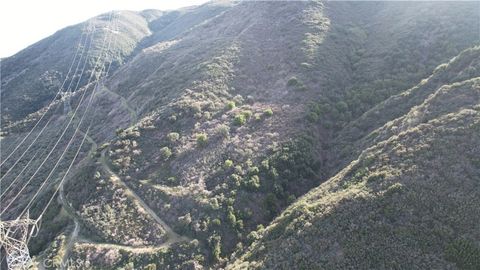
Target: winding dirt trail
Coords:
[(172, 236), (74, 235), (70, 211)]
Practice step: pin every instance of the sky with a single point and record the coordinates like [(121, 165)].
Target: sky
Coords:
[(24, 22)]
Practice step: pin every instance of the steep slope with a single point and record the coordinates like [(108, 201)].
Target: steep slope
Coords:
[(366, 129), (378, 49), (129, 30), (211, 159), (31, 78), (409, 201), (215, 118), (196, 107), (174, 23)]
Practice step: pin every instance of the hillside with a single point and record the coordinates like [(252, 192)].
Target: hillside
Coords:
[(251, 135), (408, 201)]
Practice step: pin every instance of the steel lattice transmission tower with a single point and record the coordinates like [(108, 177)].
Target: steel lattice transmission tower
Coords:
[(14, 235)]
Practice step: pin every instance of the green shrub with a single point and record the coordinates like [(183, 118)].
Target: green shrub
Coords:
[(214, 242), (271, 202), (240, 225), (296, 84), (232, 219), (230, 105), (216, 222), (268, 112), (214, 204), (195, 107), (341, 106), (292, 82), (253, 183), (118, 131), (265, 164), (252, 236), (130, 266), (294, 165), (376, 177), (239, 170), (253, 170), (166, 152), (302, 88), (172, 180), (247, 114), (172, 118), (318, 110), (236, 179), (228, 164), (202, 139), (238, 99), (313, 117), (173, 136), (239, 120), (151, 266), (395, 188), (223, 130), (291, 198)]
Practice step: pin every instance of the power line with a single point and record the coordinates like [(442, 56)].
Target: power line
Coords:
[(19, 174), (64, 131), (18, 254), (76, 130), (56, 95), (78, 150), (45, 151), (43, 129)]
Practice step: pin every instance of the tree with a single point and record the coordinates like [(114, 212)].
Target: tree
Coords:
[(271, 203), (216, 246), (253, 182), (231, 218)]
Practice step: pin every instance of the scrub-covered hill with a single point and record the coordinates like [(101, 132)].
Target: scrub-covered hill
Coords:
[(408, 201), (213, 122)]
